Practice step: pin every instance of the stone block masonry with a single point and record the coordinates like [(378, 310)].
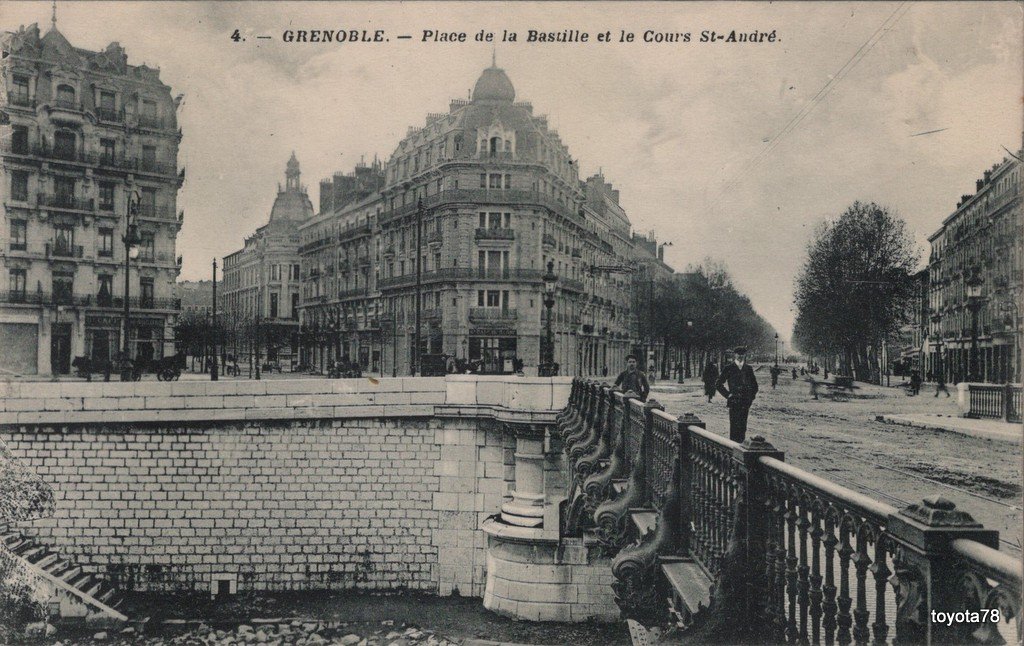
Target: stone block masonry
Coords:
[(282, 485)]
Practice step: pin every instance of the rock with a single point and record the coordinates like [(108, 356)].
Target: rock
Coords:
[(391, 635), (128, 631), (36, 629), (50, 630), (100, 636), (260, 636), (244, 629), (349, 640), (315, 638), (387, 622)]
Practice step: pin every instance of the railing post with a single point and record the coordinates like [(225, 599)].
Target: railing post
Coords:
[(685, 480), (1007, 402), (926, 575), (751, 527)]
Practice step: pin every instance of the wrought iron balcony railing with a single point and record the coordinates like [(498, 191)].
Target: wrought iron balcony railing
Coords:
[(495, 234), (549, 240), (63, 250), (110, 114), (20, 100), (154, 211), (65, 202), (493, 314)]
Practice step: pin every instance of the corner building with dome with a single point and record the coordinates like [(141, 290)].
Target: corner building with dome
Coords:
[(497, 195)]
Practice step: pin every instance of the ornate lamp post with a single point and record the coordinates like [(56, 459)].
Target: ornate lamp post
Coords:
[(776, 348), (131, 251), (974, 300), (214, 376), (547, 367)]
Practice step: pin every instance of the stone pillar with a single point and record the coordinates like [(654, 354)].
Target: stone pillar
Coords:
[(926, 575), (526, 509)]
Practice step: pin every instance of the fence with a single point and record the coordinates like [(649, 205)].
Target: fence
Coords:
[(995, 402), (757, 549)]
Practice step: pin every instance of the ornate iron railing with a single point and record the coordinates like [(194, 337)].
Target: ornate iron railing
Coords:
[(785, 555)]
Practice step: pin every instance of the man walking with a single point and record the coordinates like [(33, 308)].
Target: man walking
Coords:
[(774, 372), (738, 385), (631, 379), (710, 379), (940, 384)]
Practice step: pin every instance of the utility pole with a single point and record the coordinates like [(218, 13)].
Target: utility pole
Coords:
[(419, 287), (213, 358)]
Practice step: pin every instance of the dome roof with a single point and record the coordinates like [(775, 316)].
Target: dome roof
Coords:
[(494, 85), (291, 205)]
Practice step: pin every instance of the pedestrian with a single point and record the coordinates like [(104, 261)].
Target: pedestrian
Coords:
[(604, 371), (710, 379), (940, 384), (633, 380), (814, 387), (826, 373), (774, 372), (738, 385), (650, 372), (915, 382), (794, 374)]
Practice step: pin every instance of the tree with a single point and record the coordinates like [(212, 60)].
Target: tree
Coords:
[(853, 289), (721, 316)]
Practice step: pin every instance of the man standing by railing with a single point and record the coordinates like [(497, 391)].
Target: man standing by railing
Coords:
[(739, 377), (631, 379)]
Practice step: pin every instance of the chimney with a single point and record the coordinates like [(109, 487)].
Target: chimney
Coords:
[(988, 177), (964, 198), (979, 183), (661, 253)]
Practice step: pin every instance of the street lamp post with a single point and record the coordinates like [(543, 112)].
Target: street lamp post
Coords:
[(776, 348), (416, 368), (974, 285), (131, 251), (214, 376), (547, 368)]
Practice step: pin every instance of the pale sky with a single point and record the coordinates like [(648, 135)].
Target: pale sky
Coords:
[(669, 124)]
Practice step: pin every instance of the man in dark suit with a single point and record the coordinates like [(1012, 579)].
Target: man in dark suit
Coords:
[(633, 380), (738, 385)]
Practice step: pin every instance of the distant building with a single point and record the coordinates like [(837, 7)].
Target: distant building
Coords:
[(979, 243), (651, 271), (86, 132), (261, 280), (473, 205), (196, 296)]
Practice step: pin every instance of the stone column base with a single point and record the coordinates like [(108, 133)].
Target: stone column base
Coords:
[(531, 576)]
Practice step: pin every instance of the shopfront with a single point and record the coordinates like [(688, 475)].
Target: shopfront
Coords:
[(495, 349)]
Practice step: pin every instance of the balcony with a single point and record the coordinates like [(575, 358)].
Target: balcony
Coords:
[(20, 100), (343, 266), (571, 284), (355, 292), (110, 115), (514, 197), (456, 274), (145, 165), (70, 202), (548, 240), (151, 121), (159, 212), (432, 313), (493, 314), (354, 232), (434, 237), (63, 250), (495, 234), (576, 252)]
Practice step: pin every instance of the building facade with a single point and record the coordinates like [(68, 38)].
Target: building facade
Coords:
[(450, 244), (261, 282), (978, 248), (84, 133)]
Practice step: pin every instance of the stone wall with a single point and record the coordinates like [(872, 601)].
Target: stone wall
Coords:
[(279, 484)]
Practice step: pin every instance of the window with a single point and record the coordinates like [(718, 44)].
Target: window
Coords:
[(494, 220), (495, 181), (149, 108), (66, 96), (275, 274), (493, 298), (105, 295), (295, 307), (19, 140), (19, 90), (295, 272), (508, 181), (63, 239), (106, 248), (107, 149), (273, 305), (107, 100), (63, 288), (19, 185), (146, 293), (19, 235), (147, 207), (147, 248), (106, 196), (16, 285), (149, 158), (483, 180), (64, 188), (64, 144)]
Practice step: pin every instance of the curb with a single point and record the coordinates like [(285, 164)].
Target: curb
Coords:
[(949, 428)]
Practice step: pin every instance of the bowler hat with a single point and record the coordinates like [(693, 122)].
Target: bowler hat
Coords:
[(741, 349)]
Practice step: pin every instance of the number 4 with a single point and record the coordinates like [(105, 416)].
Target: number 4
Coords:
[(236, 36)]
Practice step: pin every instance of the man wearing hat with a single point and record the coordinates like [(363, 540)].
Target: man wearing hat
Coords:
[(738, 385)]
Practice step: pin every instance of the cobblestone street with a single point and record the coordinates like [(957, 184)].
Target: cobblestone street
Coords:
[(893, 464)]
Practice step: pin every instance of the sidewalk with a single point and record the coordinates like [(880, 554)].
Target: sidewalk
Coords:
[(988, 429)]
